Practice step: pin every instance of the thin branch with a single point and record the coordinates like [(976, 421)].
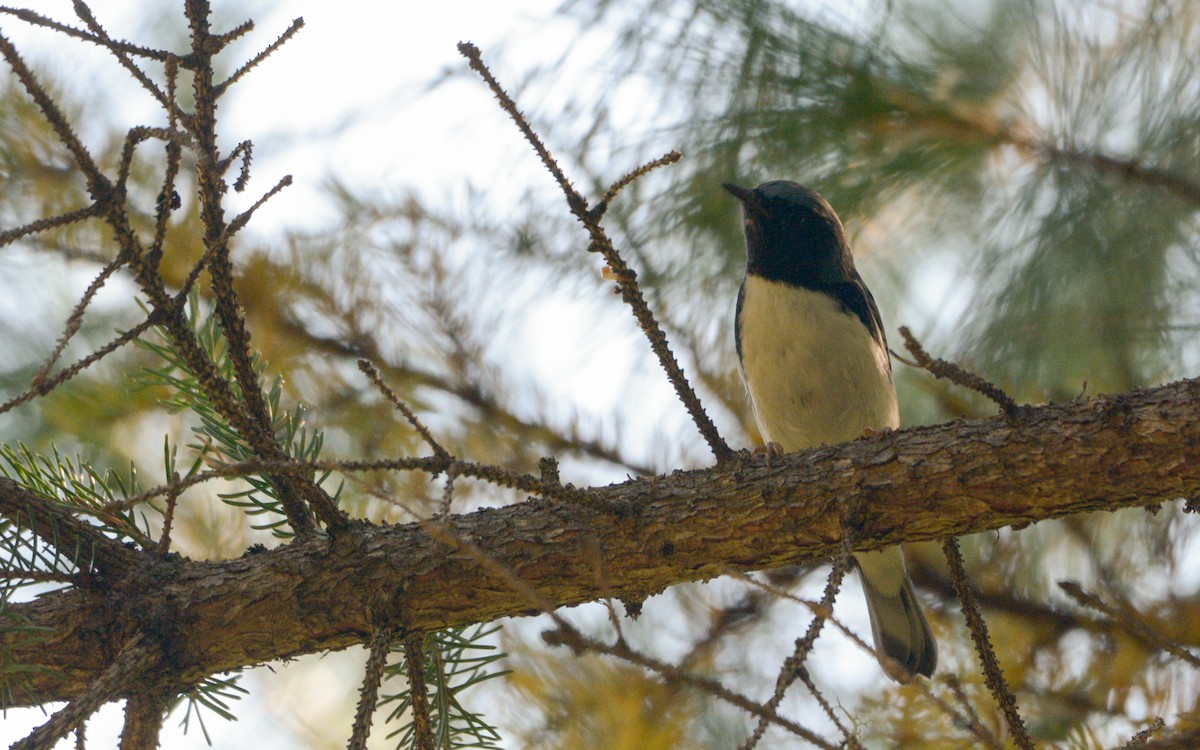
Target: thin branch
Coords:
[(626, 278), (472, 394), (993, 675), (580, 643), (134, 660), (53, 523), (418, 691), (292, 30), (41, 225), (36, 19), (1143, 737), (168, 199), (851, 740), (85, 14), (1129, 621), (99, 186), (597, 211), (368, 693), (369, 370), (164, 539), (940, 368), (1186, 739), (966, 718), (299, 496), (793, 666), (75, 319), (46, 385)]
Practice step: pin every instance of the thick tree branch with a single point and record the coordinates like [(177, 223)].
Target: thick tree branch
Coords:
[(925, 483)]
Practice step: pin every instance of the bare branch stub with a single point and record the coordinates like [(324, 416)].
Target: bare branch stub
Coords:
[(369, 370), (414, 666), (993, 675), (368, 694), (793, 665), (940, 368), (626, 278)]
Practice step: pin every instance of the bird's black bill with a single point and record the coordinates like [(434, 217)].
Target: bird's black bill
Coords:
[(741, 193)]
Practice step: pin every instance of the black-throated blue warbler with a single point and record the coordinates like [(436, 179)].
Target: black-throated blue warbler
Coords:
[(815, 361)]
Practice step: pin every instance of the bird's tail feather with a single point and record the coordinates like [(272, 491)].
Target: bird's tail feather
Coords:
[(899, 627)]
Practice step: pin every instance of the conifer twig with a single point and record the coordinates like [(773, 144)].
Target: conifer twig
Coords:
[(369, 370), (368, 693), (418, 691), (993, 675), (793, 665), (940, 368), (625, 276)]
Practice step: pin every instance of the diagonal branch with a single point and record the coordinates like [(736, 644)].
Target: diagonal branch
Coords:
[(625, 276), (138, 656), (55, 525)]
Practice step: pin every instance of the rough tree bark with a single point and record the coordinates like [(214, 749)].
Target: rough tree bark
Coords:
[(628, 540)]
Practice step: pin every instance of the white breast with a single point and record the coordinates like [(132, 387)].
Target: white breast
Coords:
[(814, 372)]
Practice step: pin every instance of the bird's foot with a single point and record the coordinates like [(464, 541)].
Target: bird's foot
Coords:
[(765, 454)]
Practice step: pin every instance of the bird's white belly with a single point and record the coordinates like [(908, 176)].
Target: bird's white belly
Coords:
[(814, 372)]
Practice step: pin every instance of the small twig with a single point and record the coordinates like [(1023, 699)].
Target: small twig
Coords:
[(164, 540), (85, 14), (41, 225), (1143, 737), (794, 664), (75, 320), (626, 278), (434, 465), (299, 497), (99, 186), (959, 719), (369, 370), (993, 675), (447, 495), (418, 691), (598, 211), (36, 19), (851, 740), (1129, 622), (579, 643), (972, 716), (44, 386), (940, 368), (245, 149), (168, 199), (1183, 740), (219, 89), (224, 40), (368, 693)]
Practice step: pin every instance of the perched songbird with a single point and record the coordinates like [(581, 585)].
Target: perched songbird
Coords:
[(813, 354)]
